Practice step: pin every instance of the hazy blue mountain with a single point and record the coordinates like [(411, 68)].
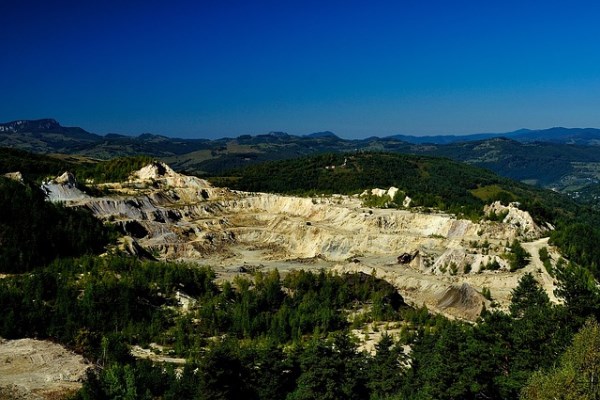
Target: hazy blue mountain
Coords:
[(45, 136), (582, 136), (46, 126), (561, 158), (443, 139), (325, 134)]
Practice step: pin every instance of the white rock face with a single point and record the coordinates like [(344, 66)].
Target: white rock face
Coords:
[(15, 176), (155, 170), (66, 178), (63, 189), (392, 192), (378, 192), (516, 217), (163, 174)]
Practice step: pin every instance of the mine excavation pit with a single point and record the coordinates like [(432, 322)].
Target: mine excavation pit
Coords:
[(425, 256)]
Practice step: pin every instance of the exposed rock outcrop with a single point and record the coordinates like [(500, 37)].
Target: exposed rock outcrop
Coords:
[(517, 218), (63, 189), (391, 192), (15, 176)]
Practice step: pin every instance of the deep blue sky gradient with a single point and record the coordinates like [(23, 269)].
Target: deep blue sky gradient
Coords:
[(226, 68)]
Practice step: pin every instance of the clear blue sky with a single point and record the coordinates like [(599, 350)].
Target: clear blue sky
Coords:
[(226, 68)]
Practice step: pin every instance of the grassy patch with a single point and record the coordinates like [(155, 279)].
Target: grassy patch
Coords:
[(491, 193)]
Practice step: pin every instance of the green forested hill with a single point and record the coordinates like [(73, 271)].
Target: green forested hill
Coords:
[(34, 232), (33, 166), (38, 166), (564, 159), (541, 163), (429, 181)]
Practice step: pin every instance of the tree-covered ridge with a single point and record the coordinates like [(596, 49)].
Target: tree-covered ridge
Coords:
[(33, 232), (113, 170), (352, 173), (542, 163), (32, 166), (78, 301), (550, 157), (429, 181), (36, 167), (116, 294)]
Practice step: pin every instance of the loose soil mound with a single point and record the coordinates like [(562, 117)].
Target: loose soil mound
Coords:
[(36, 369)]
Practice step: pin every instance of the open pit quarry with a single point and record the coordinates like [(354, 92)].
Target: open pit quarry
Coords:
[(433, 259)]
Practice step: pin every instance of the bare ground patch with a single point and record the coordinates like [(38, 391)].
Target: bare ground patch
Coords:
[(39, 369)]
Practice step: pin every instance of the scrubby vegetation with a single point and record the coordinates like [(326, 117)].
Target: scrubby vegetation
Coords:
[(576, 375), (115, 170), (518, 258), (36, 167), (33, 232)]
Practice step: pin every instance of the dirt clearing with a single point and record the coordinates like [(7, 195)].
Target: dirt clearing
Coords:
[(38, 369)]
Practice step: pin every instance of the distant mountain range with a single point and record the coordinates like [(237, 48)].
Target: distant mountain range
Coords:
[(581, 136), (42, 127), (561, 158)]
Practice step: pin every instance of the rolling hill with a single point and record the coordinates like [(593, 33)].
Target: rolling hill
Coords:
[(559, 158)]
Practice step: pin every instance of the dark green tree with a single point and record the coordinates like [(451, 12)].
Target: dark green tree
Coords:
[(386, 370), (577, 375)]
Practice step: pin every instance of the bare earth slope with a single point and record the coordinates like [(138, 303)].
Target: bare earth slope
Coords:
[(36, 369)]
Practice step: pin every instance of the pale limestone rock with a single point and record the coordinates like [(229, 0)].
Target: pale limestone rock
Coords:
[(15, 176), (516, 217), (63, 189), (392, 192)]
